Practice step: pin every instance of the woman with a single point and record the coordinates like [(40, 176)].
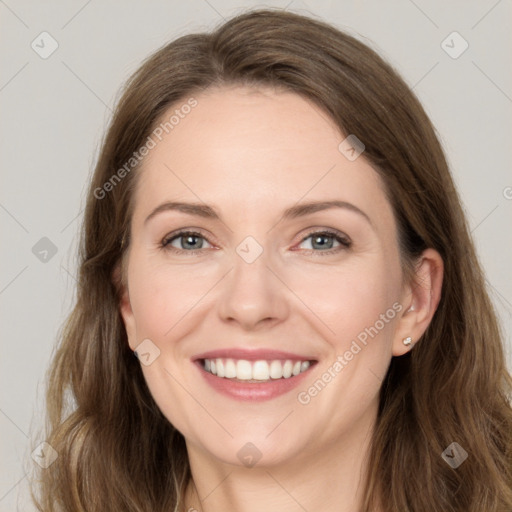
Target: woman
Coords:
[(273, 231)]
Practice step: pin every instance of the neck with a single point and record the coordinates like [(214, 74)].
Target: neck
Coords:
[(330, 479)]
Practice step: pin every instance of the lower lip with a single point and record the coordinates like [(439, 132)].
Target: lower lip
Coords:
[(252, 391)]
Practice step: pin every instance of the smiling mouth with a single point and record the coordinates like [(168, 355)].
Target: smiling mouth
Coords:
[(243, 370)]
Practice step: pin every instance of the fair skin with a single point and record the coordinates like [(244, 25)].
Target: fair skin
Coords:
[(250, 155)]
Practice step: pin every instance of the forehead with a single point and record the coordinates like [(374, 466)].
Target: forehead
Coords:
[(239, 146)]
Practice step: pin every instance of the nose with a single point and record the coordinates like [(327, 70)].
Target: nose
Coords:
[(253, 294)]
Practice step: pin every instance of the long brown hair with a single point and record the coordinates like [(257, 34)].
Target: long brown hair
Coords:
[(116, 449)]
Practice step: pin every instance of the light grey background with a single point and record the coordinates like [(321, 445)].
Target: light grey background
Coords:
[(55, 110)]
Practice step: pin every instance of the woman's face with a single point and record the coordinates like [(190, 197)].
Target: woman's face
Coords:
[(265, 278)]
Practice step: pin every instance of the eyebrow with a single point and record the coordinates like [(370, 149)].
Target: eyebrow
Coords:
[(299, 210)]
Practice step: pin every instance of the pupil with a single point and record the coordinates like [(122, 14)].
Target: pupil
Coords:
[(316, 239), (190, 237)]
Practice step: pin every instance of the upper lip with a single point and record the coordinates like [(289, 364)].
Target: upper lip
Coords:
[(252, 355)]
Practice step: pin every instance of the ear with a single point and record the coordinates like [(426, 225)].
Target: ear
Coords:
[(125, 306), (420, 299)]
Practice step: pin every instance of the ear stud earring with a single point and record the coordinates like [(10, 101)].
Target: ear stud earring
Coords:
[(407, 341)]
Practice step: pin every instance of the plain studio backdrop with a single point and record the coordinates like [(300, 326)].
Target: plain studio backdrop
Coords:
[(62, 65)]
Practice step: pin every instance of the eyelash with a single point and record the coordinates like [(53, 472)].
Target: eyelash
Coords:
[(345, 242)]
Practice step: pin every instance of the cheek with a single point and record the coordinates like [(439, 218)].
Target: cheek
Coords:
[(349, 299), (162, 294), (161, 297), (367, 304)]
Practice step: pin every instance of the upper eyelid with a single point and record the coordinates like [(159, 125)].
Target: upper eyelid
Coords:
[(313, 231), (182, 232)]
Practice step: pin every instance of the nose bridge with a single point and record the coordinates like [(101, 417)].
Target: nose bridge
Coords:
[(252, 292), (251, 263)]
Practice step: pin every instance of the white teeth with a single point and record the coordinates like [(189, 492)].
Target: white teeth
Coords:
[(230, 368), (304, 366), (287, 369), (243, 370), (255, 370), (276, 369), (220, 368), (260, 370)]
